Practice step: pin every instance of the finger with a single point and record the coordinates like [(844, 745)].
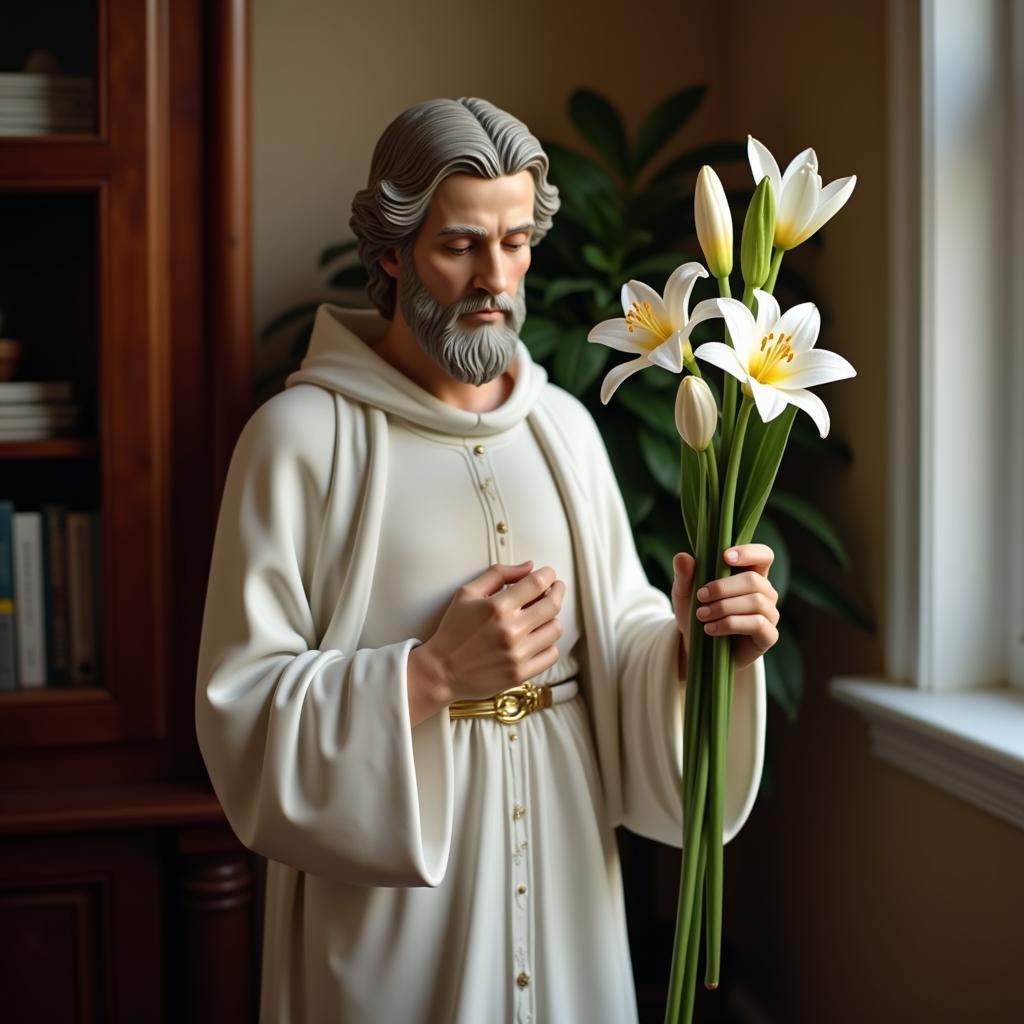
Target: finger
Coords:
[(499, 575), (748, 582), (544, 609), (758, 556), (747, 604), (539, 663), (683, 566), (757, 627), (529, 588), (539, 640)]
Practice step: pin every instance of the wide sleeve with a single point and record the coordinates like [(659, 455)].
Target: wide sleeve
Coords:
[(650, 695), (309, 748)]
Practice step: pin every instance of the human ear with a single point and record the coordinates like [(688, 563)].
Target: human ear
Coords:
[(391, 261)]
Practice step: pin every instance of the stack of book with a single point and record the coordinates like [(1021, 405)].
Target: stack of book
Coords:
[(39, 104), (49, 597), (31, 410)]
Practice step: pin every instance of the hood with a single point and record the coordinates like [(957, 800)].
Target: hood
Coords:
[(340, 358)]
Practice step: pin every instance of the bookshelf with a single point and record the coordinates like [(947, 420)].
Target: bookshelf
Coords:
[(124, 277)]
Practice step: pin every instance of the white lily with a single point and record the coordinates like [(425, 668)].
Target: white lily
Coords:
[(774, 356), (656, 327), (696, 412), (713, 220), (801, 204)]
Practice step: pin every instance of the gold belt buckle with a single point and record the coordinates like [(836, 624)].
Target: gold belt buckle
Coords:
[(516, 703)]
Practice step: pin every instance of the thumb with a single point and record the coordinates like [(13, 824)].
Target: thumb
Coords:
[(684, 565), (493, 578)]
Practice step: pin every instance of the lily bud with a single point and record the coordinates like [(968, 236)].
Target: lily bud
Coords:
[(714, 222), (696, 412), (758, 235)]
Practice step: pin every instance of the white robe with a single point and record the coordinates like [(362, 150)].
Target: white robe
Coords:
[(448, 872)]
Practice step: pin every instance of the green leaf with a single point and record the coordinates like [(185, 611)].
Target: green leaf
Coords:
[(693, 159), (563, 286), (306, 310), (600, 124), (690, 483), (813, 521), (662, 124), (350, 277), (779, 574), (662, 264), (656, 202), (825, 597), (661, 457), (639, 503), (761, 474), (597, 258), (589, 197), (332, 252), (784, 673), (655, 408), (578, 361), (540, 336)]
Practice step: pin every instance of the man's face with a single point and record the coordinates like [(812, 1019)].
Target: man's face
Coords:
[(462, 292)]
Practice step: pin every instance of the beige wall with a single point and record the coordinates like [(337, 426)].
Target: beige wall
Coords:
[(858, 894), (330, 74)]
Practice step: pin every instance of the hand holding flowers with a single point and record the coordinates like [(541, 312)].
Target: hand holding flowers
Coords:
[(731, 620)]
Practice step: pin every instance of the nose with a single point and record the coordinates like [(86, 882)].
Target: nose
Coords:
[(491, 274)]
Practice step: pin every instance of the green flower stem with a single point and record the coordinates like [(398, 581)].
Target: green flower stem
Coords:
[(721, 701), (777, 254), (689, 882), (693, 944), (729, 385), (691, 365), (748, 297)]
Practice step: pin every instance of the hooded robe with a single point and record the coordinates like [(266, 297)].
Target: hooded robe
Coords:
[(460, 871)]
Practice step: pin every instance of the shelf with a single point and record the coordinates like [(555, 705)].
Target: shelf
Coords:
[(53, 695), (51, 448)]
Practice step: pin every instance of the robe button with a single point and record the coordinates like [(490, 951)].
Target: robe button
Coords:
[(479, 449), (518, 812), (521, 890), (523, 980), (502, 527)]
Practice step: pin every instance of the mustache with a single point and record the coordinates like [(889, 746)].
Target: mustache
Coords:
[(480, 303)]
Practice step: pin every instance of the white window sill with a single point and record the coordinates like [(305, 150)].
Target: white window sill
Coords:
[(969, 743)]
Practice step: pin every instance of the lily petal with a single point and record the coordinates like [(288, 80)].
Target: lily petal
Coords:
[(763, 163), (803, 322), (640, 293), (799, 201), (704, 310), (669, 354), (808, 156), (832, 199), (767, 313), (740, 322), (618, 374), (769, 401), (616, 334), (816, 367), (678, 289), (813, 406), (721, 355)]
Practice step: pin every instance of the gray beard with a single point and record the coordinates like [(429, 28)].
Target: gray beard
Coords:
[(474, 355)]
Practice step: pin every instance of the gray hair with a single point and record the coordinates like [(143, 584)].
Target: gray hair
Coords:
[(418, 150)]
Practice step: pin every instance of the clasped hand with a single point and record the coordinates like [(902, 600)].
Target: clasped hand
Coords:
[(742, 605)]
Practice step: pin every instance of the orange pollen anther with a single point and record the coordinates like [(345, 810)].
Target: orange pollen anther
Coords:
[(644, 318), (775, 352)]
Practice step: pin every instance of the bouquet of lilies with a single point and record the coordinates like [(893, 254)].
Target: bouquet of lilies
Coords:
[(771, 356)]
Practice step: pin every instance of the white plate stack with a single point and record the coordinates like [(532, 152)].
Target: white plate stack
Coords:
[(39, 104)]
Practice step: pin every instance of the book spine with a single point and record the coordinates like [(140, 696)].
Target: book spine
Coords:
[(8, 646), (28, 596), (55, 567), (81, 593)]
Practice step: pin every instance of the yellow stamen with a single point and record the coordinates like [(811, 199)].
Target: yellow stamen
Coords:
[(644, 318), (765, 365)]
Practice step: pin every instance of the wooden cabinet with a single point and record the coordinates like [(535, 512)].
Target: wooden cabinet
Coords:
[(124, 270)]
